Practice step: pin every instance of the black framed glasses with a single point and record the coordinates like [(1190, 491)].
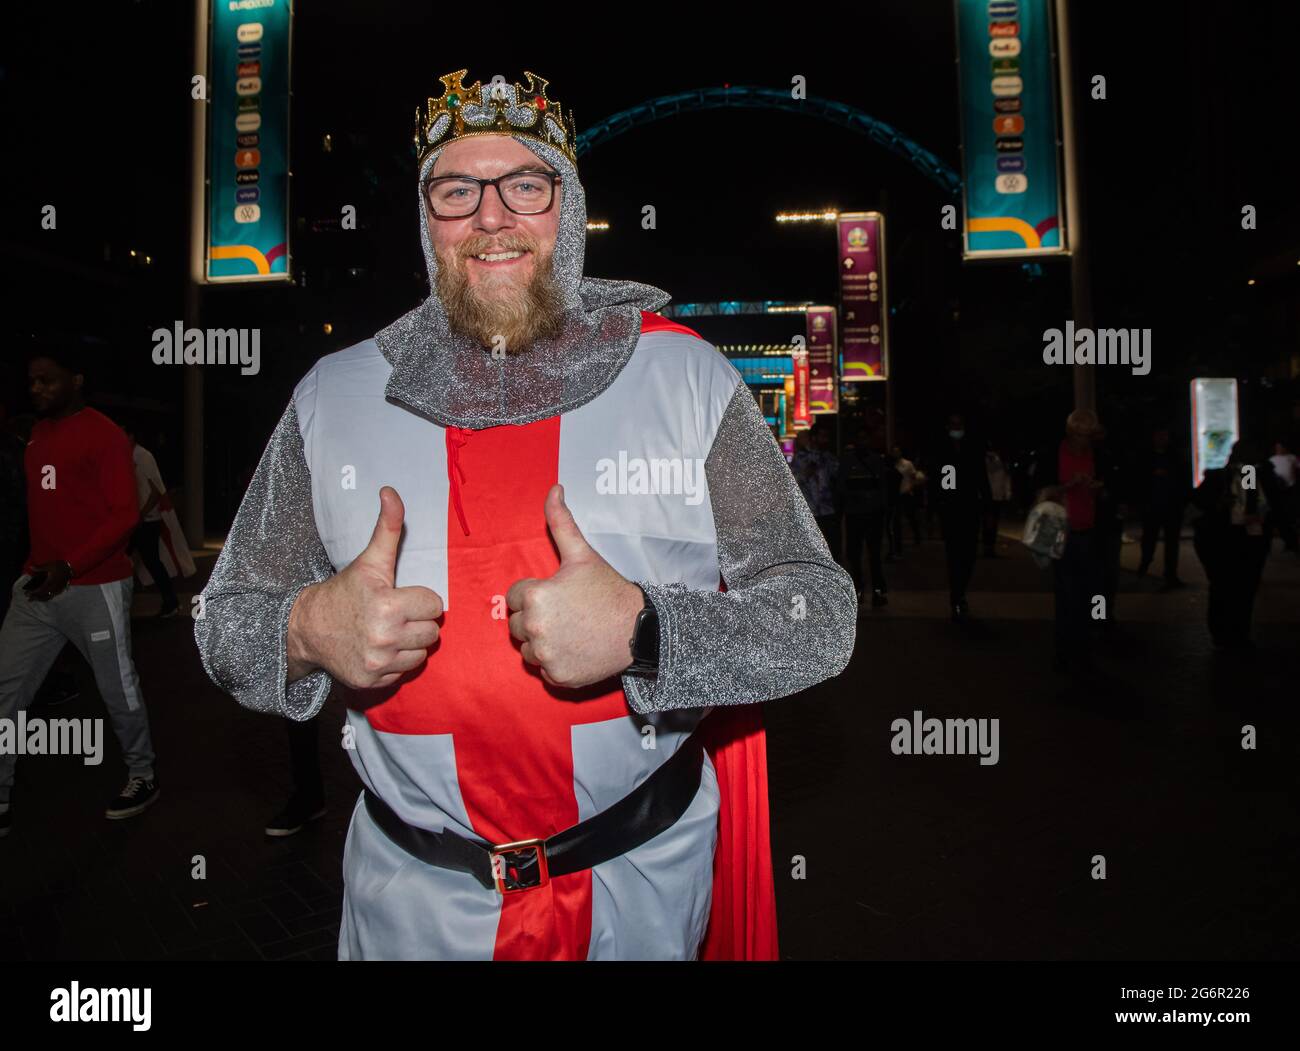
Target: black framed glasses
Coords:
[(524, 193)]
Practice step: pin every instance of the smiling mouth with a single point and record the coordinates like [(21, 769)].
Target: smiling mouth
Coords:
[(498, 257)]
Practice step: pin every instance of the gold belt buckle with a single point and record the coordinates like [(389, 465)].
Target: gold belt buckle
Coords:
[(520, 865)]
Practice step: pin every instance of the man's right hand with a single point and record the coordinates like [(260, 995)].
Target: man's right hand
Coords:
[(357, 625)]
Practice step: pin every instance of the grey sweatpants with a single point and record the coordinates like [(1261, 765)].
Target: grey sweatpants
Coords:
[(96, 618)]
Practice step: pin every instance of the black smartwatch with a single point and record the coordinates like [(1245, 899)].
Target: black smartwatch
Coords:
[(644, 643)]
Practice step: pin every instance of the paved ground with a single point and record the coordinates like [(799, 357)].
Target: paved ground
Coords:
[(907, 857)]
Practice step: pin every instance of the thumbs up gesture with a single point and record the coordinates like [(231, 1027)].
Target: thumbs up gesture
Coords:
[(358, 625), (576, 624)]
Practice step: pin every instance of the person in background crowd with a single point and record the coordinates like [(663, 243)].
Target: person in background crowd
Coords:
[(999, 496), (815, 467), (308, 800), (960, 497), (1232, 540), (909, 485), (77, 581), (150, 490), (863, 486), (1161, 488), (1112, 512), (13, 509), (1283, 461), (1074, 474)]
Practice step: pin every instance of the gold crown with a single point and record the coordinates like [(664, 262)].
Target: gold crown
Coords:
[(492, 109)]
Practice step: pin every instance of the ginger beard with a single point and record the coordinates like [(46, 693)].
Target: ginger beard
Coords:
[(500, 306)]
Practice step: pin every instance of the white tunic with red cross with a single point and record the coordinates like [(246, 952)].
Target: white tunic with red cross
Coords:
[(477, 742)]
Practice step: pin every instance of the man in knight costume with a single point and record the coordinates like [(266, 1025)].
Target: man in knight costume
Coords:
[(590, 564)]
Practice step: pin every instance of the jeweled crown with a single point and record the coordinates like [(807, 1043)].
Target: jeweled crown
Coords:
[(495, 107)]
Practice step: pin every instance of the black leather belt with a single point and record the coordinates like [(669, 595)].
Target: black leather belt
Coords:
[(653, 806)]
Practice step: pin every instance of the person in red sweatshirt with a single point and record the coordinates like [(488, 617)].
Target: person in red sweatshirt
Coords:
[(76, 583)]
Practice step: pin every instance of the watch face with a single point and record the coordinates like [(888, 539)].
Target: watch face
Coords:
[(647, 636)]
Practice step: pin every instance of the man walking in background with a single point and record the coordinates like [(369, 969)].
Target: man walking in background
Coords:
[(76, 585), (961, 492), (1163, 488)]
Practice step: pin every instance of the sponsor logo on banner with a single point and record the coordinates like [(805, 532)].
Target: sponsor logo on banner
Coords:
[(246, 52), (248, 86), (248, 69), (1009, 145), (1003, 10), (247, 195), (1004, 29), (1006, 105), (247, 213), (248, 159), (1011, 163), (1007, 85), (1011, 183), (249, 32), (246, 177), (248, 141), (1004, 67), (248, 122), (1008, 125), (1004, 47), (250, 103)]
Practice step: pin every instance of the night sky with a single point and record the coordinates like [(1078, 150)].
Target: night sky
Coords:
[(1198, 122)]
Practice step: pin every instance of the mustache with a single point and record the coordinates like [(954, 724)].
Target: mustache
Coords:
[(507, 243)]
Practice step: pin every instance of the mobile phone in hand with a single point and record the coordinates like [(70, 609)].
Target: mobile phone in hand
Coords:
[(38, 580)]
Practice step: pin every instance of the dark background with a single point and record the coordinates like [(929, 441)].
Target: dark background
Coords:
[(1198, 121)]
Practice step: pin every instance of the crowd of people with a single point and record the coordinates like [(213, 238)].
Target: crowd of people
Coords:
[(864, 495)]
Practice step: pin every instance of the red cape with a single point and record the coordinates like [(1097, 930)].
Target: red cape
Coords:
[(742, 920)]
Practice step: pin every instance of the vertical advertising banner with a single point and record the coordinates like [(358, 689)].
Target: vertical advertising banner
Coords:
[(1215, 424), (819, 332), (800, 417), (863, 307), (1011, 163), (248, 140)]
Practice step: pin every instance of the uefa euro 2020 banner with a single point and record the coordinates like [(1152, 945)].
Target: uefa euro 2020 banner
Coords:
[(1011, 164), (248, 140)]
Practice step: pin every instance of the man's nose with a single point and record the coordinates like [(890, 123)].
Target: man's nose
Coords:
[(492, 214)]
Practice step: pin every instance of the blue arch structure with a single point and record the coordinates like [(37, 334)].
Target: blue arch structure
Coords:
[(748, 97)]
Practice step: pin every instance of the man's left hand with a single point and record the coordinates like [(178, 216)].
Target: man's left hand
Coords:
[(576, 624)]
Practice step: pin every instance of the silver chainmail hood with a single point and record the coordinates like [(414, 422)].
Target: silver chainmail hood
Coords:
[(452, 380)]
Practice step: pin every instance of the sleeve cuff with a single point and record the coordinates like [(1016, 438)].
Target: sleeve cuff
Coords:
[(645, 695), (303, 699)]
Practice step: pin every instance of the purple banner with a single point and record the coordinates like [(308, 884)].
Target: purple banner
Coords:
[(863, 344), (820, 333)]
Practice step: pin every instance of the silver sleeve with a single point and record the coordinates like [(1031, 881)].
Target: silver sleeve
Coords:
[(272, 553), (788, 618)]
